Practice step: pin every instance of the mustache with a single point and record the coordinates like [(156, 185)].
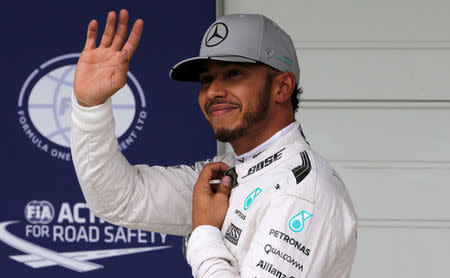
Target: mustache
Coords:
[(222, 101)]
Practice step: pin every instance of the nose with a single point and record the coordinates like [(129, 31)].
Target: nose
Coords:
[(216, 89)]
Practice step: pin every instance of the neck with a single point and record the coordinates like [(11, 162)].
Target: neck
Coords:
[(258, 134)]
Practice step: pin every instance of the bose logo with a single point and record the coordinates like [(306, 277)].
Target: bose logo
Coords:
[(264, 163)]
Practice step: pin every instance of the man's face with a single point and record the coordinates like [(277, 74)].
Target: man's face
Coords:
[(234, 97)]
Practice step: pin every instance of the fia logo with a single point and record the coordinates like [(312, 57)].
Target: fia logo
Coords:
[(249, 199), (298, 221), (39, 212)]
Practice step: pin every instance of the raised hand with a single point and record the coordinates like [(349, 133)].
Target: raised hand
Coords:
[(101, 71)]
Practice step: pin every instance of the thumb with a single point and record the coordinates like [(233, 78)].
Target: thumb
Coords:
[(225, 186)]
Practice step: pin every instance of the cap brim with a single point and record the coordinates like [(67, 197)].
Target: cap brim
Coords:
[(189, 69)]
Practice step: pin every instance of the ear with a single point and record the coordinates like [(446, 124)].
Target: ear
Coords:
[(285, 83)]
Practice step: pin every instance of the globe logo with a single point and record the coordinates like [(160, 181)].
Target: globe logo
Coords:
[(39, 212), (45, 106)]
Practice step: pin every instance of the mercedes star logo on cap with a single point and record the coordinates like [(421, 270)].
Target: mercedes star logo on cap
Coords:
[(216, 34)]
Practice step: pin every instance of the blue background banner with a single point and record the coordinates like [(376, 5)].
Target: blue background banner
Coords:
[(46, 230)]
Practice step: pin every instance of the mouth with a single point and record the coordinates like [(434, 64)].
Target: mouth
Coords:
[(221, 109)]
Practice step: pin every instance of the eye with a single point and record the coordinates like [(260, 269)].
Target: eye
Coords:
[(234, 72), (205, 79)]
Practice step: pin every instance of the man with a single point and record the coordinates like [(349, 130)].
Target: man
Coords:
[(280, 211)]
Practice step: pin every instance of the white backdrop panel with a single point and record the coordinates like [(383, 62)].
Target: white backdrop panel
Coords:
[(392, 191), (396, 252), (354, 20), (378, 131), (377, 74)]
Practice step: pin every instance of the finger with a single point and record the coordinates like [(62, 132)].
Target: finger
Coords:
[(124, 54), (109, 30), (214, 187), (225, 186), (209, 172), (212, 171), (135, 35), (121, 32), (91, 38)]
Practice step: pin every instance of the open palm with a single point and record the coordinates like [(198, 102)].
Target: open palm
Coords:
[(101, 71)]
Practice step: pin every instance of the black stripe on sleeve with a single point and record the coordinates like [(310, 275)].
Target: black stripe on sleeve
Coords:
[(301, 171)]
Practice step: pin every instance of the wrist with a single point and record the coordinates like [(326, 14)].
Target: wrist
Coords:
[(86, 103), (204, 223)]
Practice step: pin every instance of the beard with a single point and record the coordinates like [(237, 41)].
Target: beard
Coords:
[(251, 118)]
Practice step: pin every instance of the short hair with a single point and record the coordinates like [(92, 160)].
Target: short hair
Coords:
[(295, 97)]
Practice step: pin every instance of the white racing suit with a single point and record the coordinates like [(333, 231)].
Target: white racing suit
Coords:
[(289, 216)]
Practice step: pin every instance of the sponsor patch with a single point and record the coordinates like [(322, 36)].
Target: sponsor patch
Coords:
[(271, 269), (233, 234), (264, 163), (269, 249), (290, 240), (250, 197), (240, 214), (297, 222)]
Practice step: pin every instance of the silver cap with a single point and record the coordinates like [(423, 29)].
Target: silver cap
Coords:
[(250, 38)]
